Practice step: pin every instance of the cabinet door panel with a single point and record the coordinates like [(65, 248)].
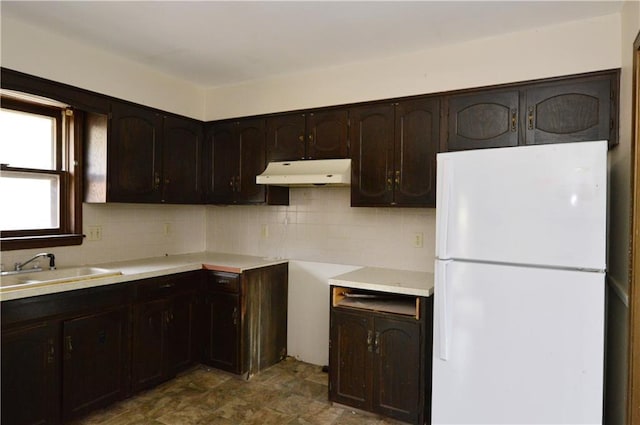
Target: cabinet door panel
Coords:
[(30, 386), (182, 158), (285, 137), (251, 144), (135, 155), (149, 358), (223, 158), (397, 368), (223, 324), (371, 135), (417, 132), (94, 361), (351, 359), (182, 335), (484, 120), (327, 134), (569, 112)]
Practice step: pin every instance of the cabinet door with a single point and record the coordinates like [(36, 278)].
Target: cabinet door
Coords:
[(327, 134), (182, 180), (30, 375), (149, 344), (569, 112), (286, 137), (488, 119), (223, 331), (416, 145), (397, 369), (182, 334), (222, 163), (135, 155), (251, 145), (372, 135), (350, 359), (94, 366)]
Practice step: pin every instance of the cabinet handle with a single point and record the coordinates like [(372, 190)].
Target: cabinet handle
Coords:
[(156, 180), (397, 180), (311, 138), (514, 119), (530, 118), (69, 345), (51, 352), (369, 341), (231, 183), (376, 343), (390, 180), (235, 315), (301, 138)]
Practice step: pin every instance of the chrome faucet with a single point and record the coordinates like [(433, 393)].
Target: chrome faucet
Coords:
[(52, 261)]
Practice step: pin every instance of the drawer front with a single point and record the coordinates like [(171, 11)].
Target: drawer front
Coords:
[(223, 282), (165, 286)]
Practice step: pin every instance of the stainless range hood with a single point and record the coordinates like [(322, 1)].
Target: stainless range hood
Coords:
[(317, 172)]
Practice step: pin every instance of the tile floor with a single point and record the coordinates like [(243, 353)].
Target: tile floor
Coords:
[(288, 393)]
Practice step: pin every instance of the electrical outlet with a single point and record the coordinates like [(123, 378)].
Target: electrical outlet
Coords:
[(418, 240), (264, 231), (94, 233), (167, 229)]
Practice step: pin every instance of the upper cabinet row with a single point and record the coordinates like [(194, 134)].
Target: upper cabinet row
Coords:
[(547, 112), (392, 144)]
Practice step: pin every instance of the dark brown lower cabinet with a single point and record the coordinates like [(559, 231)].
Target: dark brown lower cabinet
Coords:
[(380, 362), (94, 365), (245, 319), (164, 339), (30, 374)]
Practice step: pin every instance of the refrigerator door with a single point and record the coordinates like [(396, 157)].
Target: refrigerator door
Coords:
[(539, 205), (523, 345)]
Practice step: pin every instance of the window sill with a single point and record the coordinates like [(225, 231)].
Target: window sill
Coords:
[(28, 242)]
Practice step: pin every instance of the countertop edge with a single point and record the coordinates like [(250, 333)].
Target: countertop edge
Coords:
[(148, 268)]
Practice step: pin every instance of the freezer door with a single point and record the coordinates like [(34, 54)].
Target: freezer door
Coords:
[(540, 205), (522, 345)]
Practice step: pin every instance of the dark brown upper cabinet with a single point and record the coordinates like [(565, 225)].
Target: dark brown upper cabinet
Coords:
[(182, 151), (140, 156), (311, 135), (570, 112), (483, 120), (560, 111), (235, 153), (394, 150)]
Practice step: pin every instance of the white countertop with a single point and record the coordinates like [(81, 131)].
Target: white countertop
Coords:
[(147, 268), (387, 280)]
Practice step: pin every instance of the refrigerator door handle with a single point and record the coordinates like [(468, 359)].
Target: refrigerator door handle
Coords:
[(444, 209), (443, 315)]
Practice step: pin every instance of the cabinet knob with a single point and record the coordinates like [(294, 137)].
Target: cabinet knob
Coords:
[(301, 138)]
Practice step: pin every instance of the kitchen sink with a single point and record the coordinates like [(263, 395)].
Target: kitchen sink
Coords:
[(47, 277)]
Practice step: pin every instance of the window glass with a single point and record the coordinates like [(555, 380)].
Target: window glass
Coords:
[(27, 140), (31, 201)]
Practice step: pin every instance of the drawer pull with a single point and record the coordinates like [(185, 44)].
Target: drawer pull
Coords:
[(224, 282), (166, 286)]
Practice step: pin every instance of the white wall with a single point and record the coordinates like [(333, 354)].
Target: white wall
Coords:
[(575, 47), (619, 231), (32, 50), (319, 225)]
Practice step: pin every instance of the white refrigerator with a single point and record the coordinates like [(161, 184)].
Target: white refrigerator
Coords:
[(519, 285)]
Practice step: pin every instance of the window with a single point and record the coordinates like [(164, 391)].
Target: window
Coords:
[(39, 183)]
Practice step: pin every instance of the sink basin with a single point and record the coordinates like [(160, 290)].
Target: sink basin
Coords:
[(47, 277)]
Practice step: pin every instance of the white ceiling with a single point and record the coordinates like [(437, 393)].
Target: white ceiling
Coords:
[(219, 43)]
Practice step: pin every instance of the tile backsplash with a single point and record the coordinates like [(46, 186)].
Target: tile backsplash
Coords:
[(319, 225), (129, 231)]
